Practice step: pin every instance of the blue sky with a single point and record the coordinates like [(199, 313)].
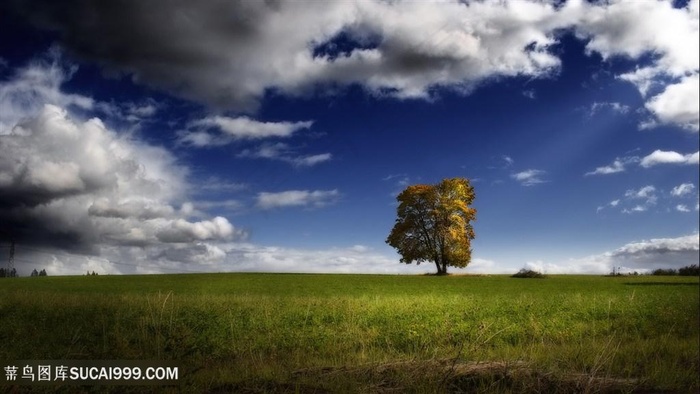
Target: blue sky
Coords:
[(251, 136)]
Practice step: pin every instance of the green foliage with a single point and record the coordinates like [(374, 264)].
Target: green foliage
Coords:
[(689, 270), (338, 333), (527, 273), (664, 272), (5, 273), (434, 224)]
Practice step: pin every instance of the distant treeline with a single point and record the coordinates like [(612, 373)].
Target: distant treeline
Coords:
[(5, 273), (690, 270)]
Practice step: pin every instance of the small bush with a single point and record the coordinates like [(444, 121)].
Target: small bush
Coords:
[(527, 273), (689, 270)]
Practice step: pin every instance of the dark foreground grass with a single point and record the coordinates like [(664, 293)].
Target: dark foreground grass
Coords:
[(366, 333)]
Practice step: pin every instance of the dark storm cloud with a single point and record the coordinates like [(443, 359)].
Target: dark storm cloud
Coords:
[(78, 185), (176, 46), (229, 54)]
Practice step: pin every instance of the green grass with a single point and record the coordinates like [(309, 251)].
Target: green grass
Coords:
[(369, 333)]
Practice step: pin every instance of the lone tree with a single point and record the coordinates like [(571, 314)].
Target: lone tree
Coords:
[(434, 224)]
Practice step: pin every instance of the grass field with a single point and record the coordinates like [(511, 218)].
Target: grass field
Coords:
[(368, 333)]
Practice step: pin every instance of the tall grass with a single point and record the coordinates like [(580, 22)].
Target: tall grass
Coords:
[(265, 332)]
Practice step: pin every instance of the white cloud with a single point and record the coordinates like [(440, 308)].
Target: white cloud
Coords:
[(646, 197), (311, 160), (33, 86), (354, 259), (658, 252), (678, 104), (669, 157), (292, 198), (401, 49), (641, 256), (617, 166), (569, 267), (631, 201), (636, 208), (682, 208), (613, 106), (246, 128), (79, 186), (238, 257), (636, 29), (256, 258), (529, 177), (283, 152), (94, 186), (233, 129), (130, 112), (683, 189), (182, 231), (632, 29), (612, 203), (646, 192)]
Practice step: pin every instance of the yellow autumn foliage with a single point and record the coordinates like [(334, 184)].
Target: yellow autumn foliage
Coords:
[(434, 224)]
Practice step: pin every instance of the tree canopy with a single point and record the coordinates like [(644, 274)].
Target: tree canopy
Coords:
[(434, 224)]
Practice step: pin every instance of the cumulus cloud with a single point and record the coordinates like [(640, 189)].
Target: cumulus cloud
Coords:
[(396, 49), (641, 256), (399, 49), (256, 258), (222, 130), (664, 252), (79, 186), (646, 197), (634, 200), (529, 177), (669, 157), (182, 231), (631, 29), (647, 194), (357, 258), (683, 189), (678, 104), (39, 82), (296, 198), (572, 266)]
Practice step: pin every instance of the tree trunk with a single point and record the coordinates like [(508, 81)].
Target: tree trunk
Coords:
[(439, 268)]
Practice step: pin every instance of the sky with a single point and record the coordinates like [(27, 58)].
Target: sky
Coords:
[(236, 136)]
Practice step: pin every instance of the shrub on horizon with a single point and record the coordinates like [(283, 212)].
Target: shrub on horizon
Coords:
[(528, 273)]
